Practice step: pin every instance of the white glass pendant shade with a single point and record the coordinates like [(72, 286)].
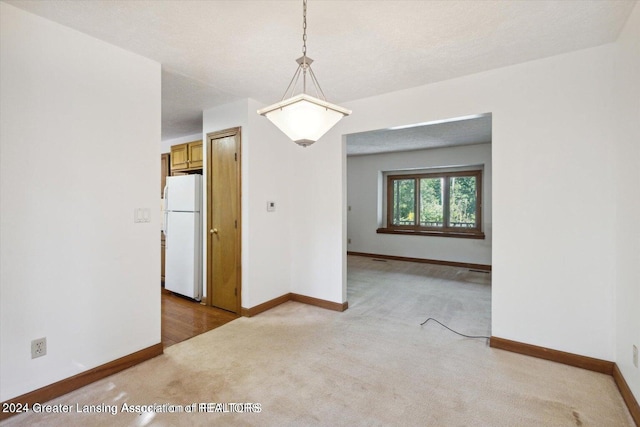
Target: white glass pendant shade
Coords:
[(303, 118)]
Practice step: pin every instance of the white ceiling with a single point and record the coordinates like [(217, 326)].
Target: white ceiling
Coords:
[(213, 52), (463, 131)]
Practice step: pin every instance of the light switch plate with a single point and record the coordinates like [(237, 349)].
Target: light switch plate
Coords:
[(141, 215)]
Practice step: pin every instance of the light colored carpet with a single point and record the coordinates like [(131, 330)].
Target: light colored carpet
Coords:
[(372, 365)]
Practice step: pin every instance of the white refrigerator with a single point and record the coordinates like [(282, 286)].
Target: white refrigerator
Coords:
[(183, 235)]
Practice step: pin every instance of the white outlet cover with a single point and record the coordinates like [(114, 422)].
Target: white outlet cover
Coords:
[(38, 347)]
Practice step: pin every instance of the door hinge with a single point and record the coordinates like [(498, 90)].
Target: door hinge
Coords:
[(235, 156), (235, 292), (236, 223)]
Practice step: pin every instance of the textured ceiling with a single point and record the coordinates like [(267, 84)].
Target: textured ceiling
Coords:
[(213, 52), (464, 131)]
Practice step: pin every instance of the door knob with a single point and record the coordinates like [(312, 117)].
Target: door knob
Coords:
[(213, 231)]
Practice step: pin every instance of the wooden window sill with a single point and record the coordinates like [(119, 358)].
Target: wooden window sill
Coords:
[(408, 232)]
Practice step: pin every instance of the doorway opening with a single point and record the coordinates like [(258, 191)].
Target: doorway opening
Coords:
[(435, 221), (184, 318)]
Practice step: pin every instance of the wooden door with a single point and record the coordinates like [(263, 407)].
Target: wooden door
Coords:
[(179, 157), (223, 245), (195, 155)]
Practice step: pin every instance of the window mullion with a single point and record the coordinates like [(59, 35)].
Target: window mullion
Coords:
[(396, 199), (478, 224), (416, 192), (445, 202)]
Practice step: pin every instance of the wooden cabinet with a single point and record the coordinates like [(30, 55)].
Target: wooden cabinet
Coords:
[(195, 155), (186, 157), (179, 157)]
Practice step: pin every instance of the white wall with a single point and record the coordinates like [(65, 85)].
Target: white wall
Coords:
[(165, 146), (318, 258), (79, 134), (627, 144), (553, 233), (363, 196), (266, 176)]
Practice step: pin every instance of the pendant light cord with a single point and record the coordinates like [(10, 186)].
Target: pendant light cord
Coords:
[(304, 28), (304, 65), (304, 46)]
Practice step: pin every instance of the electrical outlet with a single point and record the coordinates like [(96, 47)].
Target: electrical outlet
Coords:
[(38, 347), (635, 356), (349, 241)]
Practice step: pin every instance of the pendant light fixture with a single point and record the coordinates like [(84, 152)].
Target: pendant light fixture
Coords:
[(304, 118)]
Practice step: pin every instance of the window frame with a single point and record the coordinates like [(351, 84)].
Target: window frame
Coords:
[(446, 230)]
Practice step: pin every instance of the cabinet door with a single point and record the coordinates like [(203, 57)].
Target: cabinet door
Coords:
[(195, 155), (179, 157)]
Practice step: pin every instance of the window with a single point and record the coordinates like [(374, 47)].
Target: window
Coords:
[(442, 204)]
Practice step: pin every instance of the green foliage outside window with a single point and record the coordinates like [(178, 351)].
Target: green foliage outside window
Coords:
[(431, 202), (404, 201), (462, 201)]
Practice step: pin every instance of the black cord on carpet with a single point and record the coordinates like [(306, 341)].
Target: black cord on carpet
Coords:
[(455, 332)]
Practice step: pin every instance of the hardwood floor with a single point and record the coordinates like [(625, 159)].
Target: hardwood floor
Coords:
[(183, 319)]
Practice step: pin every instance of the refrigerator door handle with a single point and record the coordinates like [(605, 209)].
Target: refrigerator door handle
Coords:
[(166, 228), (165, 223), (165, 195)]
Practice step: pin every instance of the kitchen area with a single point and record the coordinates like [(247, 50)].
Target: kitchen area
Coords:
[(181, 193), (183, 314)]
